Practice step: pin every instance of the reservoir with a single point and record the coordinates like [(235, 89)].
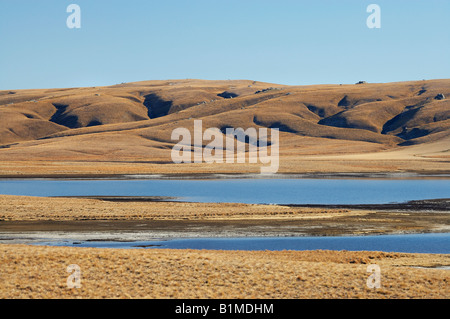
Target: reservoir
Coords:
[(410, 243), (242, 190)]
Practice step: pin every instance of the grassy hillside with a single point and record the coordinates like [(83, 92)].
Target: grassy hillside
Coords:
[(134, 121)]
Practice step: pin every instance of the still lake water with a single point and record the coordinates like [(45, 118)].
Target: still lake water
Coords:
[(255, 191), (250, 191), (412, 243)]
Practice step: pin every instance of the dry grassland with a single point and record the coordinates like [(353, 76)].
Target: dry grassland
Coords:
[(126, 129), (40, 272), (23, 208)]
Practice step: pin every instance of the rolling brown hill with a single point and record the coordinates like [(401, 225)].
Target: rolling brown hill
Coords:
[(132, 123)]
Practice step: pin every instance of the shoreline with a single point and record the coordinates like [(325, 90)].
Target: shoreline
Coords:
[(218, 176), (438, 204), (133, 240), (163, 219)]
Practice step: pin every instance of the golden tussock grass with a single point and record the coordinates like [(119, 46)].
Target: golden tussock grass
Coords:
[(22, 208), (126, 129), (40, 272)]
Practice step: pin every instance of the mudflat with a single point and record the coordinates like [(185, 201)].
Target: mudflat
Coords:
[(27, 214)]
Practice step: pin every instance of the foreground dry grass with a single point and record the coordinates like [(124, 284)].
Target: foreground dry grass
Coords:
[(40, 272)]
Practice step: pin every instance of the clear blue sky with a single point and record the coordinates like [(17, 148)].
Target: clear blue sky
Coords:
[(283, 41)]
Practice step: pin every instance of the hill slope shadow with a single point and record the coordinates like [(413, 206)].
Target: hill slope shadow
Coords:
[(156, 106), (59, 117)]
